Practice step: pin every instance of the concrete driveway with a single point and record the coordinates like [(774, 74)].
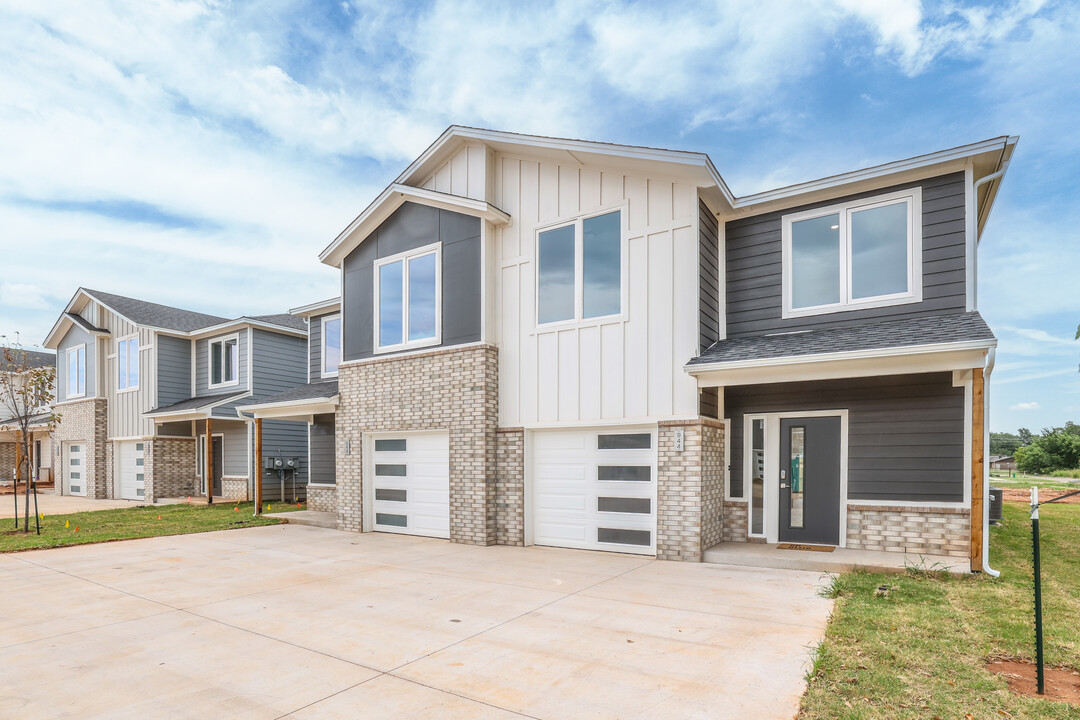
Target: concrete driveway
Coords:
[(302, 622)]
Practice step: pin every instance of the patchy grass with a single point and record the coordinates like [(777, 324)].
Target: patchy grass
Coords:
[(1039, 482), (919, 650), (128, 523)]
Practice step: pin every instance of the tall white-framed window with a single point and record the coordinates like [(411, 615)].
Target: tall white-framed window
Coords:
[(127, 363), (224, 360), (860, 254), (408, 299), (753, 476), (331, 345), (76, 371), (581, 269)]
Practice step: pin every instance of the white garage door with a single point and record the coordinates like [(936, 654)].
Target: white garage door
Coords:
[(74, 469), (411, 488), (595, 489), (132, 486)]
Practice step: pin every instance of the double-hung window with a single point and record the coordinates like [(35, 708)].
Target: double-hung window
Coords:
[(76, 371), (408, 302), (331, 345), (860, 254), (224, 361), (127, 364), (580, 270)]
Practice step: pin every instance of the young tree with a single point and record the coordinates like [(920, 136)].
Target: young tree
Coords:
[(26, 397)]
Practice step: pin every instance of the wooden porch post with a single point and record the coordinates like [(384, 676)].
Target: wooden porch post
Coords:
[(978, 424), (258, 466), (209, 455)]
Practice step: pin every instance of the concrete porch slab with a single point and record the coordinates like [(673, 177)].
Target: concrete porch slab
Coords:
[(765, 555), (312, 518)]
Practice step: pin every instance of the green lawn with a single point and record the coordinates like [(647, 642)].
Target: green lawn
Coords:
[(920, 652), (129, 523)]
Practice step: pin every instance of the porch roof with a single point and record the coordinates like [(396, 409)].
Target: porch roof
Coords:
[(194, 407)]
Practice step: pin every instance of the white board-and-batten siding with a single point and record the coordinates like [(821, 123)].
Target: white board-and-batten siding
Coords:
[(619, 368), (126, 408)]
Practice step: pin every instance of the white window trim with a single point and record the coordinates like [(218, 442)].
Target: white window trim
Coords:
[(578, 224), (138, 365), (210, 384), (913, 197), (404, 258), (329, 318), (82, 371)]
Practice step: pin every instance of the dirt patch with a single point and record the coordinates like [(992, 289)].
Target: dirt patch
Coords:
[(1024, 495), (1062, 684)]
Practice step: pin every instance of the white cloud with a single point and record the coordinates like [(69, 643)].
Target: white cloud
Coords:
[(1026, 406)]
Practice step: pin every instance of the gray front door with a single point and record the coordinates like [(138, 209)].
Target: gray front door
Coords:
[(219, 463), (810, 480)]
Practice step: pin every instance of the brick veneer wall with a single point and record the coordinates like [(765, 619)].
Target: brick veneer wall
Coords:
[(112, 485), (454, 389), (84, 423), (510, 486), (7, 460), (690, 489), (322, 498), (898, 528), (234, 487), (169, 467), (735, 521)]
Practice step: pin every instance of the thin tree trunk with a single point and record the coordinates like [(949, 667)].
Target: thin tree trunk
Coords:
[(37, 513), (26, 515)]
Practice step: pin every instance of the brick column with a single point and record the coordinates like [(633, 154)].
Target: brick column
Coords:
[(168, 467), (510, 486), (85, 423), (690, 490)]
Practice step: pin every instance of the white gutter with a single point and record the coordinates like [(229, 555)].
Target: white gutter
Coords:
[(990, 358)]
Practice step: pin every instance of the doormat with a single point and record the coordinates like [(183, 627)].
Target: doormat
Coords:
[(815, 548)]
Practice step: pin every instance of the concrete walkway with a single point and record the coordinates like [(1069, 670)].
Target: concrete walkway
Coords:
[(302, 622), (61, 504), (840, 560)]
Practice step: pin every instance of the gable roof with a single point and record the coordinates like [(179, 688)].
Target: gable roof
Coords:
[(283, 319), (32, 358), (165, 317)]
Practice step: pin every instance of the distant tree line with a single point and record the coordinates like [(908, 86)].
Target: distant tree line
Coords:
[(1053, 449)]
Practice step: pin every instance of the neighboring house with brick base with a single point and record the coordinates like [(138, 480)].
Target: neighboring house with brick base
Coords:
[(589, 345), (41, 432), (138, 382)]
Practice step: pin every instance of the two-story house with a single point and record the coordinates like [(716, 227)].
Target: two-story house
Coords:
[(40, 430), (140, 384), (598, 346)]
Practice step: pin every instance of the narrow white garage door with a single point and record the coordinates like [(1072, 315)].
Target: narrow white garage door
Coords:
[(74, 468), (132, 484), (411, 484), (595, 489)]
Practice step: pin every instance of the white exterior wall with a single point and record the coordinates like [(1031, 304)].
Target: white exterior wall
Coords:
[(126, 408), (466, 174), (622, 368)]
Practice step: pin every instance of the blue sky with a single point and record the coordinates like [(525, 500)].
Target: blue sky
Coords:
[(201, 153)]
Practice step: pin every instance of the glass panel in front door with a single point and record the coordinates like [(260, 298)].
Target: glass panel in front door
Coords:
[(797, 474), (757, 478)]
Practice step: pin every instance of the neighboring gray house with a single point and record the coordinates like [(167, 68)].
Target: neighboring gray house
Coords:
[(597, 346), (138, 382)]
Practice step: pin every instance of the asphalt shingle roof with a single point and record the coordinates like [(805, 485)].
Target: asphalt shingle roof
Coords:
[(142, 312), (309, 391), (283, 319), (927, 330), (33, 358), (195, 403)]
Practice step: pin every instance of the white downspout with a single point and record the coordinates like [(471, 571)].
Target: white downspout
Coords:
[(990, 358)]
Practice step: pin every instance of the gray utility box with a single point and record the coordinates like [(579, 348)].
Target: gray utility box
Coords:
[(281, 463), (995, 506)]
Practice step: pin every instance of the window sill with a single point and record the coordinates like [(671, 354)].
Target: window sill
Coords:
[(407, 346), (127, 390), (579, 324), (848, 307), (235, 383)]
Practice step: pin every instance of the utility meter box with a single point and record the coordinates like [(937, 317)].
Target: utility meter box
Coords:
[(269, 463), (291, 463)]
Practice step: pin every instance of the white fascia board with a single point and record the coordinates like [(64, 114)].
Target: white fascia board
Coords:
[(52, 340), (299, 410), (957, 156), (241, 324), (197, 413), (864, 363), (317, 308), (393, 197)]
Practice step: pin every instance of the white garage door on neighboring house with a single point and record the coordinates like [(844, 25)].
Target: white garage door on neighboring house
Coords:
[(75, 468), (132, 484), (411, 484), (594, 489)]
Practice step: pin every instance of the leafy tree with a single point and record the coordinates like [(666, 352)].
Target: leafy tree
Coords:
[(1003, 443), (1025, 436), (1054, 449)]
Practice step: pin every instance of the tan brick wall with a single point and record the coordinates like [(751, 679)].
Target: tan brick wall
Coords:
[(234, 488), (321, 498), (7, 460), (455, 390), (928, 531), (85, 423), (169, 467), (112, 484), (735, 521), (510, 486), (690, 489)]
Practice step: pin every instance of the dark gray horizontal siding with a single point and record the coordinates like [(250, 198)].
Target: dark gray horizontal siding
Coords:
[(284, 438), (413, 226), (279, 362), (322, 450), (202, 365), (174, 369), (905, 432), (709, 277), (753, 267)]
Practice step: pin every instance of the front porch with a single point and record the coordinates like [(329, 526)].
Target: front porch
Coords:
[(839, 560)]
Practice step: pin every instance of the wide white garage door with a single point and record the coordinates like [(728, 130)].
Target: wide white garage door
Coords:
[(594, 489), (132, 484), (411, 484)]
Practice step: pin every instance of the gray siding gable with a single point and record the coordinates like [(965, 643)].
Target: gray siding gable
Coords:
[(76, 336), (202, 365), (753, 268), (278, 362), (413, 226)]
